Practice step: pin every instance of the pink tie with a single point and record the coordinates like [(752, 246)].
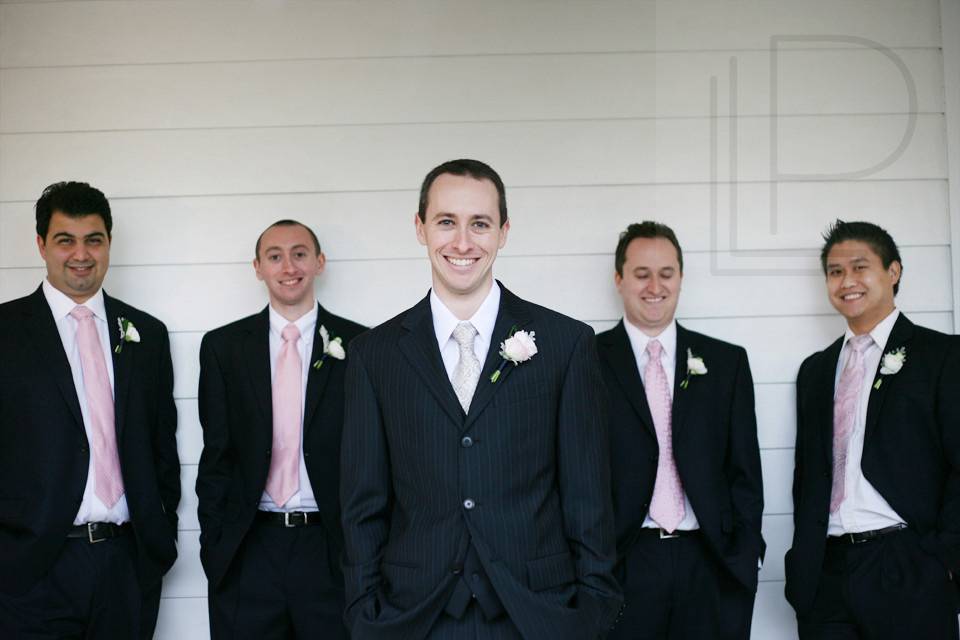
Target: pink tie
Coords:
[(283, 479), (666, 506), (108, 483), (845, 413)]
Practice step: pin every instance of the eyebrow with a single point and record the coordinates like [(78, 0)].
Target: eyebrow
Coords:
[(65, 234), (278, 248)]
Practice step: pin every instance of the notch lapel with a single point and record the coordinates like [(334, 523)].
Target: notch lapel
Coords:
[(899, 337), (678, 412), (317, 378), (257, 352), (511, 314), (40, 326), (419, 345), (123, 363), (618, 352)]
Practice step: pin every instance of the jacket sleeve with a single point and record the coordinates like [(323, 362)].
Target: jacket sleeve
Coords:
[(167, 460), (213, 473)]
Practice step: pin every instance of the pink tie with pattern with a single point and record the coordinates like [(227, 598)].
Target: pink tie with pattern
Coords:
[(108, 482), (283, 479), (845, 413), (666, 506)]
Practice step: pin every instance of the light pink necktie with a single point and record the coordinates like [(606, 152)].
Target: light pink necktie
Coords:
[(283, 479), (845, 413), (108, 482), (666, 506)]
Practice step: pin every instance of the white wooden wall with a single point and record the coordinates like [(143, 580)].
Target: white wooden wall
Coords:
[(204, 121)]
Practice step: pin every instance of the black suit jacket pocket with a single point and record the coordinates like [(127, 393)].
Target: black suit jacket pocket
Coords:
[(551, 571)]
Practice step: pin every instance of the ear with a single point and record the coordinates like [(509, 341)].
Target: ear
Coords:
[(894, 270), (617, 279), (256, 267), (321, 263), (504, 230), (42, 246), (418, 224)]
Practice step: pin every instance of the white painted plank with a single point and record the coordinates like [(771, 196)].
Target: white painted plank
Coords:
[(187, 511), (186, 578), (773, 618), (183, 619), (552, 220), (186, 31), (189, 433), (777, 480), (776, 414), (283, 160), (778, 534), (322, 92)]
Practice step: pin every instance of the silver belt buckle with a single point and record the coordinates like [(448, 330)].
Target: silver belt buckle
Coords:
[(667, 536), (286, 518), (90, 534)]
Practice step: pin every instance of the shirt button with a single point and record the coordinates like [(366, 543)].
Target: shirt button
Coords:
[(469, 504), (467, 442)]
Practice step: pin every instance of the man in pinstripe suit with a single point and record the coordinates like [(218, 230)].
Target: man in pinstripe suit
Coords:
[(475, 491)]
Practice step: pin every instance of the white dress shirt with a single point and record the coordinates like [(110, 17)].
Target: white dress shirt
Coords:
[(303, 499), (92, 508), (863, 508), (483, 320), (668, 358)]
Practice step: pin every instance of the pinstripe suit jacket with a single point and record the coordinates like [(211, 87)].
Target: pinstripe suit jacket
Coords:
[(530, 489)]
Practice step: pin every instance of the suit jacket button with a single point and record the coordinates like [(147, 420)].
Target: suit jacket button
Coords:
[(457, 570), (467, 442), (469, 504)]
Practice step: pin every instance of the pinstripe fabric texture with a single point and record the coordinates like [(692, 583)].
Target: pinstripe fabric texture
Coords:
[(523, 477)]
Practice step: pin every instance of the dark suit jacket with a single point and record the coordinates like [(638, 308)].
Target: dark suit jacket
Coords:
[(911, 451), (536, 467), (236, 412), (714, 445), (44, 453)]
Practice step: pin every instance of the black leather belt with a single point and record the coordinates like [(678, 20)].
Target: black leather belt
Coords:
[(289, 519), (864, 536), (663, 534), (98, 531)]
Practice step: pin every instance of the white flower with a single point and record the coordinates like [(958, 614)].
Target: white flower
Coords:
[(128, 333), (519, 347), (695, 364), (332, 347), (893, 361)]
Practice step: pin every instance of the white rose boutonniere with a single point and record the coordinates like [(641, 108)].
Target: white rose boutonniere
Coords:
[(695, 367), (891, 364), (128, 333), (332, 347), (519, 347)]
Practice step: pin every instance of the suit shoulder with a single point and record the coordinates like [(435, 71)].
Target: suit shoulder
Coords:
[(345, 329), (385, 332), (715, 345), (141, 319), (14, 307), (231, 330), (545, 316)]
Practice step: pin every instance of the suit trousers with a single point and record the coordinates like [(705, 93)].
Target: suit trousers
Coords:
[(473, 625), (90, 593), (283, 583), (883, 589), (676, 589)]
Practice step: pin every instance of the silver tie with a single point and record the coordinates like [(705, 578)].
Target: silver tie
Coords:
[(467, 373)]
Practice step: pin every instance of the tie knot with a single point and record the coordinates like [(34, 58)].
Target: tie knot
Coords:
[(81, 312), (290, 333), (464, 334), (861, 343), (654, 348)]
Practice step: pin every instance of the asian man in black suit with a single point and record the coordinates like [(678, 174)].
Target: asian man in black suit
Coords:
[(271, 407), (876, 486), (476, 487), (89, 474), (687, 487)]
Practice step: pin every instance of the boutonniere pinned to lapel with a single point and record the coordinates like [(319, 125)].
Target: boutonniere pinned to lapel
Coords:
[(332, 347), (891, 364), (128, 333), (695, 367), (519, 347)]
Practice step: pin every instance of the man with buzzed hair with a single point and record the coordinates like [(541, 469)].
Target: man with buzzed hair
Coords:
[(89, 474), (271, 407)]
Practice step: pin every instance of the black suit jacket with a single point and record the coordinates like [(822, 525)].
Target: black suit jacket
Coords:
[(536, 468), (911, 451), (44, 455), (236, 412), (714, 446)]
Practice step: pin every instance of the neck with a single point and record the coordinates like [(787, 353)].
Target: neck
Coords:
[(293, 312), (463, 306), (864, 325)]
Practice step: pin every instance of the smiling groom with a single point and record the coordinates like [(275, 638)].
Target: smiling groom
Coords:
[(475, 480)]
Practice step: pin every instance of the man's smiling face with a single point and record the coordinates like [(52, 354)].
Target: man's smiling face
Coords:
[(650, 284), (859, 286), (77, 253)]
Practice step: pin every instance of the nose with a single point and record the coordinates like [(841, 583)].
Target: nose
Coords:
[(462, 242)]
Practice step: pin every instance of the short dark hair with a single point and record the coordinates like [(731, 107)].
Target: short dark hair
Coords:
[(645, 229), (464, 167), (73, 199), (877, 237), (286, 223)]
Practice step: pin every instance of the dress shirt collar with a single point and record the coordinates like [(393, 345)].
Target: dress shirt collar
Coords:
[(305, 323), (639, 340), (61, 305), (483, 320), (880, 333)]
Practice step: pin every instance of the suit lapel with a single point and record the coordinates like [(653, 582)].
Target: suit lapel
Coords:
[(419, 345), (511, 316), (899, 337), (43, 331), (824, 383), (257, 353), (122, 363), (617, 351), (678, 412), (317, 378)]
